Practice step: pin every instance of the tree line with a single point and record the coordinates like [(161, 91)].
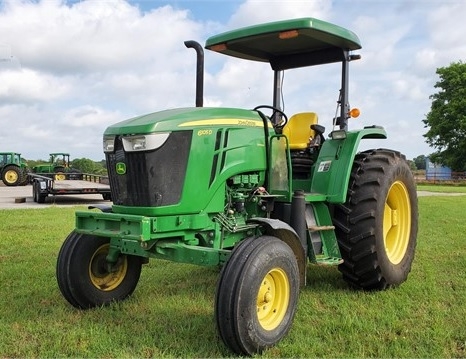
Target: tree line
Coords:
[(446, 120), (84, 165)]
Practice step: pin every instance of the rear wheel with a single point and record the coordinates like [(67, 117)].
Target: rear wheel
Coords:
[(74, 174), (11, 176), (377, 226), (59, 174), (24, 177), (37, 195), (34, 193), (86, 279), (257, 295)]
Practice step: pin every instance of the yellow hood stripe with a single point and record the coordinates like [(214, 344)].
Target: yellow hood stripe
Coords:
[(224, 121)]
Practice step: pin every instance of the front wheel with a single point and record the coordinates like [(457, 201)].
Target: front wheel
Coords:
[(257, 295), (377, 226), (86, 279)]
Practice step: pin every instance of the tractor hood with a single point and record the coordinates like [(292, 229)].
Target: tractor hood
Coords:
[(186, 118)]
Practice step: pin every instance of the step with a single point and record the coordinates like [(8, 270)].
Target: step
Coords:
[(328, 261), (320, 228)]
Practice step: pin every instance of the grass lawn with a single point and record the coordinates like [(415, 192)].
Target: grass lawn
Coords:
[(171, 312), (443, 189)]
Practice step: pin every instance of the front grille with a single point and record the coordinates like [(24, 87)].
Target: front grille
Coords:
[(153, 178)]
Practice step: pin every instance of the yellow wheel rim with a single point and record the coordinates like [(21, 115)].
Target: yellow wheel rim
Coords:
[(11, 176), (397, 222), (273, 298), (60, 176), (99, 275)]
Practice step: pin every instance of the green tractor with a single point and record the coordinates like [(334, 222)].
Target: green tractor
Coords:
[(254, 191), (59, 164), (14, 169)]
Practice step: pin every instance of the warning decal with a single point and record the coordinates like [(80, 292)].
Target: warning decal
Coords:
[(324, 166)]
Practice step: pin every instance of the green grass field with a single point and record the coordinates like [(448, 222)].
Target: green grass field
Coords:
[(171, 312), (443, 189)]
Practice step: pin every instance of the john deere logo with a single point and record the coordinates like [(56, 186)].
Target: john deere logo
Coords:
[(120, 168)]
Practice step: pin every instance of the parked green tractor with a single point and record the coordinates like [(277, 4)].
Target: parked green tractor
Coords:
[(59, 164), (255, 191), (14, 169)]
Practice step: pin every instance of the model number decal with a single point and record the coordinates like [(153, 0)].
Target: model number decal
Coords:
[(324, 166), (204, 132)]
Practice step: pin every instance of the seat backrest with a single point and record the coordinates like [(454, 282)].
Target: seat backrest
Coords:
[(298, 129)]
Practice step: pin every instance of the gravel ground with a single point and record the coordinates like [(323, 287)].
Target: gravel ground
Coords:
[(9, 196)]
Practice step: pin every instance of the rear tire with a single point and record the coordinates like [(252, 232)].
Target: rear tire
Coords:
[(83, 276), (59, 173), (74, 174), (59, 176), (377, 226), (257, 295), (38, 196), (11, 176), (34, 193), (24, 177)]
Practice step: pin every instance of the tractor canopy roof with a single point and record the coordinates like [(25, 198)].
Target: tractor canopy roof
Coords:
[(287, 44)]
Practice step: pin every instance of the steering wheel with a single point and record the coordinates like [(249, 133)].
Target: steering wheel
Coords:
[(276, 114)]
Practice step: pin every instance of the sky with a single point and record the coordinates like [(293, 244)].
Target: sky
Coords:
[(70, 69)]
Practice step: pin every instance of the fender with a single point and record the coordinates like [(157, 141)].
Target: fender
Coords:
[(283, 231), (333, 166)]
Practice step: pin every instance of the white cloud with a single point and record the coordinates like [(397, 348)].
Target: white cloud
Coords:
[(29, 86), (257, 11), (88, 116), (92, 35)]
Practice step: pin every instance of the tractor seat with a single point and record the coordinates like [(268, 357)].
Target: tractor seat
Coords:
[(298, 130)]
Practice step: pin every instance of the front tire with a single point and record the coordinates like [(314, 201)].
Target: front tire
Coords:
[(377, 226), (83, 274), (257, 295)]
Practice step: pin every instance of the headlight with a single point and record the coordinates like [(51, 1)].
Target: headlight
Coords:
[(149, 142), (109, 143)]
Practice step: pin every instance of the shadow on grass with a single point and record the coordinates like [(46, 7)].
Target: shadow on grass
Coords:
[(325, 278), (170, 314)]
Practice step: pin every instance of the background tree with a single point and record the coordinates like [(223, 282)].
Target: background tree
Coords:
[(412, 165), (86, 165), (447, 118), (420, 162)]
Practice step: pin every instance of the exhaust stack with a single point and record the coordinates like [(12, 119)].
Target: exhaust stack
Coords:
[(199, 71)]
